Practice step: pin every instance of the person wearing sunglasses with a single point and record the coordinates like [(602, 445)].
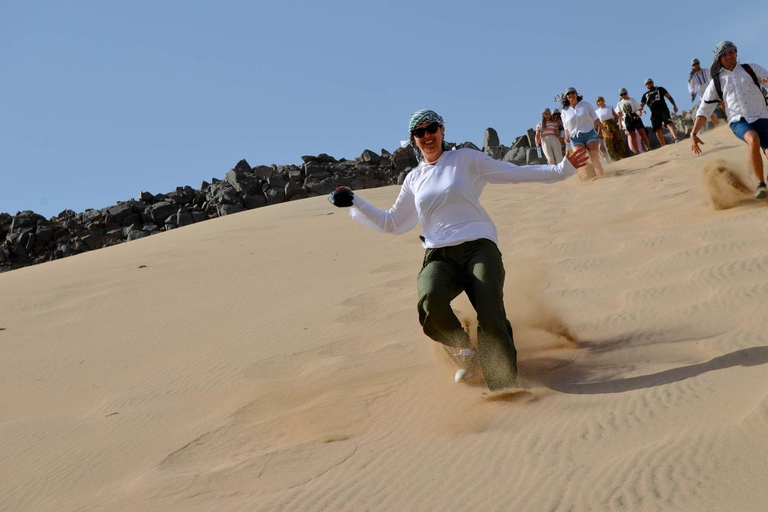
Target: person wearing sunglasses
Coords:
[(442, 195), (739, 86)]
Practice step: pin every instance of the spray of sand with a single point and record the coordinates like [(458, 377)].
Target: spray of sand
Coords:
[(725, 185), (537, 323)]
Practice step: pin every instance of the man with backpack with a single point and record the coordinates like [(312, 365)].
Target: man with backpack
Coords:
[(739, 86)]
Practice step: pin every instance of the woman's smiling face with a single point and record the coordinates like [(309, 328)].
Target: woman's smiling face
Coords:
[(431, 144)]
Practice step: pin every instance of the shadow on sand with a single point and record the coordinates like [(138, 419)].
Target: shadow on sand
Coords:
[(567, 379)]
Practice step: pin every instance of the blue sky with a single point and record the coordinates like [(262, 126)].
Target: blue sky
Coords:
[(103, 99)]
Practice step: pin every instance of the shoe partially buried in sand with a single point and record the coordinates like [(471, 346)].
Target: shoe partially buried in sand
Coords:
[(465, 360)]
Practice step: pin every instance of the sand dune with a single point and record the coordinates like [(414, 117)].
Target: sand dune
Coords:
[(272, 360)]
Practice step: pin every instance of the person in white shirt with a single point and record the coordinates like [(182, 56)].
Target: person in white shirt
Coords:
[(442, 195), (740, 85), (611, 132), (582, 126), (633, 124), (698, 79)]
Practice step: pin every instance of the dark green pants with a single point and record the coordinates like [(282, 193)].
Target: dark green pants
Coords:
[(475, 268)]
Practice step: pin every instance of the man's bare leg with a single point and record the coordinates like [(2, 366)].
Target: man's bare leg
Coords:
[(755, 154), (671, 127)]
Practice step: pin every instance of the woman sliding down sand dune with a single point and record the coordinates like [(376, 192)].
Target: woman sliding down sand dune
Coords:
[(443, 195)]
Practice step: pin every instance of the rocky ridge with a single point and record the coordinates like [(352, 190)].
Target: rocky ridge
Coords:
[(28, 238)]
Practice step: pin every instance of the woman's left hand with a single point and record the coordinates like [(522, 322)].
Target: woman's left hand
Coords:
[(579, 157)]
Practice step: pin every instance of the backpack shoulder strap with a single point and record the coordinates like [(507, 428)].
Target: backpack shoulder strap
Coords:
[(718, 89), (751, 72)]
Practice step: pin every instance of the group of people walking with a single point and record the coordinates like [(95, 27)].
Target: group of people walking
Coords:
[(599, 130), (460, 239)]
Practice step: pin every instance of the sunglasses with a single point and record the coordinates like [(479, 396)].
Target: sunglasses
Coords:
[(430, 128)]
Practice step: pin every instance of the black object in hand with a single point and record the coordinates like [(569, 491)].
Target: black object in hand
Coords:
[(341, 197)]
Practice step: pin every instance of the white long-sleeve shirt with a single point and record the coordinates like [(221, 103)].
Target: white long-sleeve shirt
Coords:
[(742, 98), (698, 81), (579, 119), (444, 197)]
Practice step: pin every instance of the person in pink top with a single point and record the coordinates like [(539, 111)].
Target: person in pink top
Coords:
[(548, 138)]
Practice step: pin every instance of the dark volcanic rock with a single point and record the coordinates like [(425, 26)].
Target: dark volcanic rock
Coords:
[(28, 238)]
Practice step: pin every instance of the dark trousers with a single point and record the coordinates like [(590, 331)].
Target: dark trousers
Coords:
[(475, 268)]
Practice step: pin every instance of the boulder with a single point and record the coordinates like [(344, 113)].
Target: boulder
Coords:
[(263, 172), (531, 136), (244, 182), (184, 218), (369, 157), (521, 142), (135, 234), (242, 166), (516, 155), (228, 209), (120, 211), (158, 212), (532, 157), (91, 216), (491, 139), (251, 201), (466, 145), (405, 158), (91, 242)]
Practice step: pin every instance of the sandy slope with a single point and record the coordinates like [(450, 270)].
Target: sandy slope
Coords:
[(272, 360)]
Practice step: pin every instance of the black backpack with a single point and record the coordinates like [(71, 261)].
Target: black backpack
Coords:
[(750, 71)]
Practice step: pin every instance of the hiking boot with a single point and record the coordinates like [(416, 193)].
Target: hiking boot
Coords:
[(761, 192), (465, 360)]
